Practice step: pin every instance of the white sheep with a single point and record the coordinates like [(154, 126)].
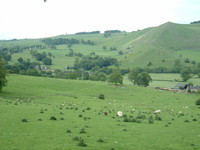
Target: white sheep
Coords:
[(119, 113), (157, 112)]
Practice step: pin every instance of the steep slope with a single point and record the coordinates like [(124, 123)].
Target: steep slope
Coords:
[(160, 45)]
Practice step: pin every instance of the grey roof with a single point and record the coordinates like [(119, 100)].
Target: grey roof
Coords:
[(181, 86), (195, 87)]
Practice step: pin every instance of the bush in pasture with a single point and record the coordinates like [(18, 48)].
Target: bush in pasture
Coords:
[(197, 102), (186, 120), (100, 140), (126, 119), (151, 120), (53, 118), (80, 116), (68, 131), (82, 131), (141, 117), (101, 96), (158, 118), (194, 119), (76, 138), (88, 108), (24, 120), (82, 143)]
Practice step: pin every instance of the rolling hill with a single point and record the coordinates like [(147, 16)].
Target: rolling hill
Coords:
[(159, 46)]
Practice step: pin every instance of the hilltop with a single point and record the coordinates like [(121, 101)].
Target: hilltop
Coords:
[(151, 47)]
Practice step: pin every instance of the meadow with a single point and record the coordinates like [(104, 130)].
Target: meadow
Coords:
[(56, 114)]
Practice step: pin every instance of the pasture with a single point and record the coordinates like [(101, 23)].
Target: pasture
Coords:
[(54, 114)]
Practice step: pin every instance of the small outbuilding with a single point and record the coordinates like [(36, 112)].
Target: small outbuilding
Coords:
[(182, 86)]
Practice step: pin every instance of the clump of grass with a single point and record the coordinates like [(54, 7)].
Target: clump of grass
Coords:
[(186, 120), (61, 118), (125, 130), (80, 115), (141, 117), (150, 120), (53, 118), (82, 131), (100, 140), (76, 138), (194, 119), (197, 102), (82, 142), (88, 108), (39, 119), (158, 118), (101, 96), (68, 131), (24, 120)]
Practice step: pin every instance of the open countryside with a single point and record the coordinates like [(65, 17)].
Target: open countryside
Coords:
[(87, 90)]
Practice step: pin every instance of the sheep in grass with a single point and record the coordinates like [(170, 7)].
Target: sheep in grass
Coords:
[(119, 114), (157, 112)]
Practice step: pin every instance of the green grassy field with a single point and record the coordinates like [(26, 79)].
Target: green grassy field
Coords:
[(67, 114)]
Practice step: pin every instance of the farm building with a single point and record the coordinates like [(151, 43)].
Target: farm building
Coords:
[(182, 86), (194, 88)]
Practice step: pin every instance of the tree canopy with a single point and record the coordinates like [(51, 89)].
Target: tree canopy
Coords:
[(140, 79), (116, 77), (3, 74)]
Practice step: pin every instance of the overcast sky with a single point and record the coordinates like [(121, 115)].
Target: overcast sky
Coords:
[(36, 19)]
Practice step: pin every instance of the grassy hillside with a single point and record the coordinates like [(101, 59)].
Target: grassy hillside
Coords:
[(42, 113), (160, 45)]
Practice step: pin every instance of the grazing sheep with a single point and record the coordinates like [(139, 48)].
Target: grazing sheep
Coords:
[(119, 113), (157, 112)]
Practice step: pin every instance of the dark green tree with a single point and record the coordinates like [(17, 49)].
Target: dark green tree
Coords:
[(20, 60), (47, 61), (143, 79), (116, 77), (3, 74), (132, 76), (185, 74)]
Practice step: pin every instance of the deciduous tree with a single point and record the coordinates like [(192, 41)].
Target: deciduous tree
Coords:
[(3, 74)]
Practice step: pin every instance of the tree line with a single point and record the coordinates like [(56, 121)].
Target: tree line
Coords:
[(61, 41)]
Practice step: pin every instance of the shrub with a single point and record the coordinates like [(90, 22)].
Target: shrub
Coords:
[(158, 118), (68, 131), (126, 119), (82, 131), (76, 138), (81, 142), (101, 96), (100, 140), (187, 120), (151, 120), (24, 120), (53, 118), (198, 102), (194, 119)]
